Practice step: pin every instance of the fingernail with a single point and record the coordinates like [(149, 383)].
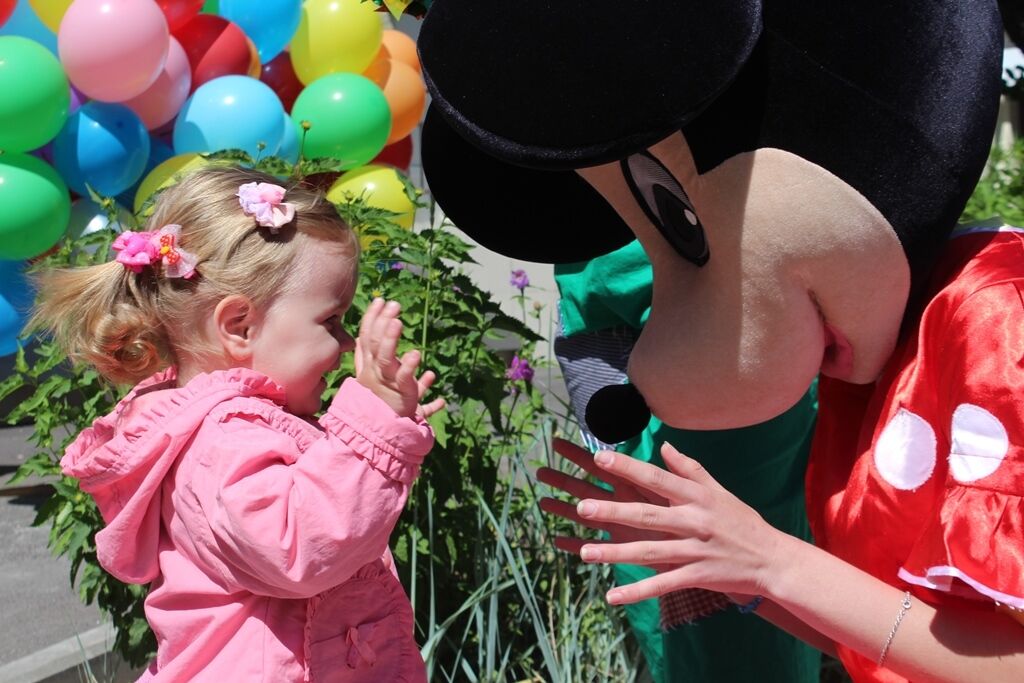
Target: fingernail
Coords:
[(586, 508), (603, 458), (590, 554), (614, 595)]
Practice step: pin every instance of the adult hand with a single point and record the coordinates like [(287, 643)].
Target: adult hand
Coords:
[(621, 492), (691, 528), (379, 369)]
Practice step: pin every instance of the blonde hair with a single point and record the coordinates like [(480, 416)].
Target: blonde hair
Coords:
[(130, 325)]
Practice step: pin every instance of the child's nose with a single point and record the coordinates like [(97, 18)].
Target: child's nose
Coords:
[(346, 341)]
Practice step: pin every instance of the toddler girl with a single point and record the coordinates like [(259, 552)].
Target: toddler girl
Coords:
[(262, 531)]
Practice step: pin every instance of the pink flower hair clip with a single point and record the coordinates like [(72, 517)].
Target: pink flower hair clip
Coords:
[(265, 202), (136, 250)]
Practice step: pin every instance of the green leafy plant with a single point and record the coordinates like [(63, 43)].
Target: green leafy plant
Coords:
[(1000, 192)]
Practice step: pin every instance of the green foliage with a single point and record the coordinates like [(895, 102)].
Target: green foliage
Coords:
[(1000, 192), (493, 600)]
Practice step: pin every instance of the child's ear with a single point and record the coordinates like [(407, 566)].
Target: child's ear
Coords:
[(234, 319)]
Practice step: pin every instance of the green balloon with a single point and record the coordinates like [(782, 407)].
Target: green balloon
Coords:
[(349, 119), (35, 206), (36, 96), (211, 7)]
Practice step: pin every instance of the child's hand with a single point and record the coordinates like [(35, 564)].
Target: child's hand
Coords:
[(378, 369)]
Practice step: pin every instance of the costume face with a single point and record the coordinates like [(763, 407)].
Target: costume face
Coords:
[(300, 338), (739, 339), (811, 158)]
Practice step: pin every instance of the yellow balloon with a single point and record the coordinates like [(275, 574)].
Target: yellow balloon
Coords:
[(335, 35), (50, 12), (380, 186), (166, 174)]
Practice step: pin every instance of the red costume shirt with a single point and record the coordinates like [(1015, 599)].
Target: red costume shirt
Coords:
[(918, 479)]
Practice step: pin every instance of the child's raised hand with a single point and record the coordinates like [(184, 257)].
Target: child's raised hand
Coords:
[(378, 369)]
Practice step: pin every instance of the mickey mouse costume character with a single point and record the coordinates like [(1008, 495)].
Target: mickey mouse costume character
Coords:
[(793, 171)]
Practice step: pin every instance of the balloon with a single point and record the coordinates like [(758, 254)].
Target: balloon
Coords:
[(397, 154), (230, 112), (215, 47), (380, 67), (162, 100), (112, 50), (165, 175), (280, 76), (255, 67), (348, 116), (88, 217), (50, 12), (35, 97), (402, 48), (179, 12), (26, 24), (104, 145), (159, 152), (211, 7), (335, 35), (291, 141), (36, 206), (407, 96), (6, 10), (16, 296), (380, 186), (269, 23)]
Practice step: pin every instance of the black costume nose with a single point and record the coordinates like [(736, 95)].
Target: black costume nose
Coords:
[(616, 413)]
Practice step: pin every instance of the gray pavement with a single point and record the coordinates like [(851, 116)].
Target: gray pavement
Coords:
[(39, 607)]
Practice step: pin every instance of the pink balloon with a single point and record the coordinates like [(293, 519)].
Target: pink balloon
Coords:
[(162, 100), (112, 50)]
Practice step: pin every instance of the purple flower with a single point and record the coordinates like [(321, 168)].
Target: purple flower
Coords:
[(519, 280), (519, 370), (397, 265)]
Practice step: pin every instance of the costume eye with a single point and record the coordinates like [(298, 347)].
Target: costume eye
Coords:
[(667, 206)]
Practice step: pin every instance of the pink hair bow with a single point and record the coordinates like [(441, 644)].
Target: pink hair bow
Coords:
[(136, 250), (265, 201)]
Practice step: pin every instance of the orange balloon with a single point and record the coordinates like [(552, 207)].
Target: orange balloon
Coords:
[(255, 68), (401, 47), (380, 68), (407, 97)]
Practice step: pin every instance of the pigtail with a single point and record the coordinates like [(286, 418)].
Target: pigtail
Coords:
[(105, 316)]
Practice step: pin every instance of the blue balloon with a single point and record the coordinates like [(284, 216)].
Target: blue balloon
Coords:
[(231, 112), (25, 23), (270, 24), (159, 152), (16, 296), (103, 144), (290, 143)]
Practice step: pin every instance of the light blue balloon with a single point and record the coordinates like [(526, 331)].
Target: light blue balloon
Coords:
[(103, 144), (290, 143), (270, 24), (231, 112), (24, 22), (16, 295)]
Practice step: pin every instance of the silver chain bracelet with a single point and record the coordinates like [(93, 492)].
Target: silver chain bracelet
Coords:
[(904, 608)]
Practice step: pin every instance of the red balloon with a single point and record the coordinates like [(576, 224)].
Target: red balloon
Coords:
[(215, 47), (178, 12), (6, 9), (397, 154), (279, 74)]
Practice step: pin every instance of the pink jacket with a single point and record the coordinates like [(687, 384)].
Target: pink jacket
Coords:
[(264, 537)]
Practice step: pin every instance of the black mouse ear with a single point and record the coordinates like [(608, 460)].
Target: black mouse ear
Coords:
[(616, 413), (544, 216)]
